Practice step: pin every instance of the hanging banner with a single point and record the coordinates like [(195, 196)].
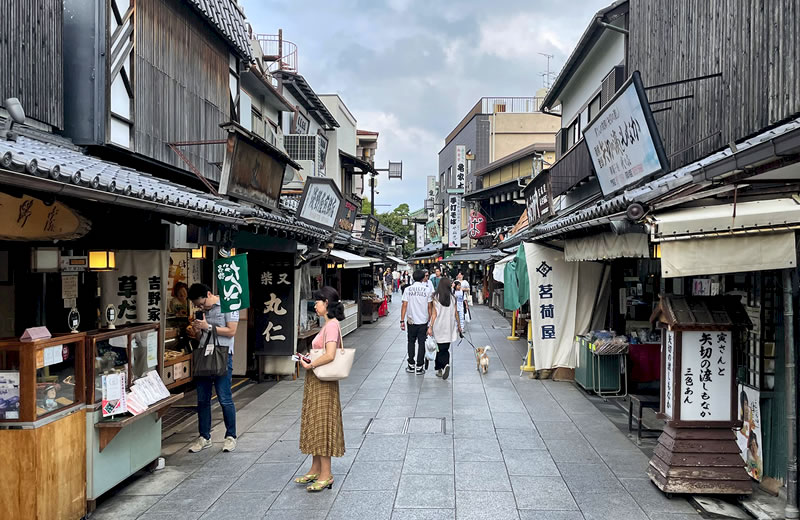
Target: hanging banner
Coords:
[(274, 308), (477, 224), (460, 167), (553, 292), (749, 437), (232, 283), (454, 221), (432, 226), (419, 230)]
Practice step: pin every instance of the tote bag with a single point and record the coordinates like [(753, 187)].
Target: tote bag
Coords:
[(337, 369), (211, 362)]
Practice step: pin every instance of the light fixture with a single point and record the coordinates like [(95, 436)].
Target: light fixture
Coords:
[(102, 261), (405, 221), (657, 250), (233, 251), (45, 259), (199, 253)]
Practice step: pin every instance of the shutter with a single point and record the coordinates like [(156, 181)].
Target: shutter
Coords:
[(559, 143), (611, 83)]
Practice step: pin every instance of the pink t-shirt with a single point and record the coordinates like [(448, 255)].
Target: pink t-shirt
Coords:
[(329, 332)]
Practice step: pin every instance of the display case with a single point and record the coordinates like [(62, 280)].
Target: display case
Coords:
[(42, 417), (119, 445)]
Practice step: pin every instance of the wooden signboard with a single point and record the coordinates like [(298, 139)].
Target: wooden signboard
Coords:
[(28, 218)]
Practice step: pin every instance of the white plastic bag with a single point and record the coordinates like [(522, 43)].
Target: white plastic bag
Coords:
[(431, 348)]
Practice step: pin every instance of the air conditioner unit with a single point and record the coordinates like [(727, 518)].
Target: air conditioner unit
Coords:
[(306, 149), (309, 168)]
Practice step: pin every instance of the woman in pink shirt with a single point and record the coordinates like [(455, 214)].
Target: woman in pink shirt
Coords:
[(321, 430)]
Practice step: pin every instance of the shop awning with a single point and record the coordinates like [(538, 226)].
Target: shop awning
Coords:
[(351, 260), (499, 271), (399, 261), (715, 240), (471, 255), (606, 246)]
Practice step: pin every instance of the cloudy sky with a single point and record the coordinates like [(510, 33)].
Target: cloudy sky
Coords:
[(411, 69)]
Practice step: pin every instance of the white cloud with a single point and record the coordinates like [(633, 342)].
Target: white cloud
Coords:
[(520, 37)]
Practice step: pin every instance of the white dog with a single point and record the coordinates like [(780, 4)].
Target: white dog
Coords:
[(482, 358)]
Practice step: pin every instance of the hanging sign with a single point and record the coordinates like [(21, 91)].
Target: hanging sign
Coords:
[(434, 234), (749, 437), (623, 139), (320, 203), (28, 218), (234, 290), (347, 216), (705, 377), (539, 198), (454, 220), (274, 308), (419, 230), (137, 289), (477, 224), (460, 167), (370, 228)]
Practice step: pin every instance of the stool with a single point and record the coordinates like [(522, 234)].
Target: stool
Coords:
[(640, 401)]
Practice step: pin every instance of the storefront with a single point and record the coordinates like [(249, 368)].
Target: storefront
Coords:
[(473, 264)]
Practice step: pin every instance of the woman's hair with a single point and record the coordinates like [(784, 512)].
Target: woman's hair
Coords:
[(456, 285), (442, 294), (335, 308), (178, 287)]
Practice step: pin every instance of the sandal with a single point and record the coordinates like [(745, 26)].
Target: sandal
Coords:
[(305, 479), (319, 485)]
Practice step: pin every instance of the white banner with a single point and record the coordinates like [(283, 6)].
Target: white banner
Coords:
[(454, 221), (706, 372), (460, 168), (553, 293), (419, 230)]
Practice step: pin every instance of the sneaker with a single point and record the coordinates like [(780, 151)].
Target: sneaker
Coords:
[(439, 373), (200, 444), (411, 368), (446, 371), (230, 444), (420, 370)]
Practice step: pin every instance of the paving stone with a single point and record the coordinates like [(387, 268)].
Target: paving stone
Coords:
[(295, 514), (520, 440), (589, 478), (480, 505), (429, 461), (627, 464), (373, 476), (430, 440), (481, 476), (295, 497), (362, 505), (652, 500), (179, 515), (674, 516), (572, 450), (423, 514), (160, 482), (396, 410), (193, 494), (283, 451), (425, 492), (388, 425), (543, 493), (477, 449), (512, 421), (274, 423), (356, 406), (128, 507), (353, 438), (610, 505), (534, 463), (473, 428), (431, 425), (383, 447), (257, 442), (265, 477), (557, 430), (528, 514), (240, 505)]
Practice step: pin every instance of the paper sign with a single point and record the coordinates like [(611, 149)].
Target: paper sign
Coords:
[(152, 349), (749, 437), (69, 286), (70, 303), (113, 391), (34, 333), (53, 355)]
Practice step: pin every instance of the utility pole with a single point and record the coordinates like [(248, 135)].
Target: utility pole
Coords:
[(548, 74), (372, 193)]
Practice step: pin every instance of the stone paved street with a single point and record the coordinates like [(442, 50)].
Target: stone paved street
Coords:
[(473, 447)]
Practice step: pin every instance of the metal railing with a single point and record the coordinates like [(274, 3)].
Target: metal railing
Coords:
[(513, 105), (282, 54)]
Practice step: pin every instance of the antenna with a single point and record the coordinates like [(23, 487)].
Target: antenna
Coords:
[(546, 76)]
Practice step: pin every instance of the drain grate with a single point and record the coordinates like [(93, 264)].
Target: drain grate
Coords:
[(406, 425)]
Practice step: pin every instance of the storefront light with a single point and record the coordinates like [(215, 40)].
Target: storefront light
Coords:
[(199, 253), (45, 259), (102, 261), (657, 251)]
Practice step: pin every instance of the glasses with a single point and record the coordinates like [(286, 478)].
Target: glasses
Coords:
[(200, 304)]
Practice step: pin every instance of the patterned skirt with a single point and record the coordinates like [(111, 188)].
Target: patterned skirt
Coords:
[(321, 430)]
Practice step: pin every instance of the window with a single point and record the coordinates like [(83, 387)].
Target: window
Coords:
[(594, 107), (246, 109), (450, 182), (573, 133), (233, 85)]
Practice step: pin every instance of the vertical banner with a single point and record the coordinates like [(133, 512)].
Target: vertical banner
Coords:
[(553, 291), (460, 168), (419, 229), (274, 308), (234, 291), (749, 437), (138, 287), (706, 372), (454, 221)]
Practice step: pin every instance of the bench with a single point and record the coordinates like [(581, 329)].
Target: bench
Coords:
[(640, 402)]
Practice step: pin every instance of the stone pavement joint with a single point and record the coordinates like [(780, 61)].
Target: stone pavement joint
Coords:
[(474, 446)]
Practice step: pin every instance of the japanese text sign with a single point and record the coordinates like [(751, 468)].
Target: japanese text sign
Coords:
[(623, 140), (705, 377), (454, 220), (274, 309), (477, 224), (234, 290), (669, 371), (539, 198), (460, 169), (348, 216), (320, 203)]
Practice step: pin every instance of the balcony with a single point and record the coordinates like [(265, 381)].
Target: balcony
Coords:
[(511, 105), (279, 54), (572, 168)]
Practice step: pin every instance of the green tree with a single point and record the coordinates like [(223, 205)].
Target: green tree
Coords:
[(394, 221)]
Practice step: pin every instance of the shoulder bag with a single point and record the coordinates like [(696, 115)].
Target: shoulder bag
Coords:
[(210, 360), (337, 369)]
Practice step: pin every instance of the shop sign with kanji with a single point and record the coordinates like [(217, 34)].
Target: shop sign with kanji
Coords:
[(460, 172), (274, 309), (234, 291), (705, 378)]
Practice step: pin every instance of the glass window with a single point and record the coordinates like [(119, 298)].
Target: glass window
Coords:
[(594, 107), (55, 378)]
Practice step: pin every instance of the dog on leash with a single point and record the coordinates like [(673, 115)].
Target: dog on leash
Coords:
[(482, 358)]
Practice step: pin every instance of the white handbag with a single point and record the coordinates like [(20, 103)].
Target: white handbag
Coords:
[(337, 369)]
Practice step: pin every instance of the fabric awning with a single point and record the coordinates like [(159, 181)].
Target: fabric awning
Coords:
[(498, 273), (351, 260), (734, 254), (605, 246), (472, 255)]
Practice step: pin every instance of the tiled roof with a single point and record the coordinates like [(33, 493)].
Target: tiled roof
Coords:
[(52, 163), (227, 18)]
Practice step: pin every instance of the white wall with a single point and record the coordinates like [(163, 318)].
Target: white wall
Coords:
[(342, 138), (608, 52), (286, 124)]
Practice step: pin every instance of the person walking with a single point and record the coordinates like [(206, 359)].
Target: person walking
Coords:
[(416, 311), (387, 283), (224, 325), (395, 280), (464, 287), (321, 429), (437, 276), (458, 294), (445, 326)]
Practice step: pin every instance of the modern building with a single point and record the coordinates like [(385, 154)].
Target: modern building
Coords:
[(366, 145)]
